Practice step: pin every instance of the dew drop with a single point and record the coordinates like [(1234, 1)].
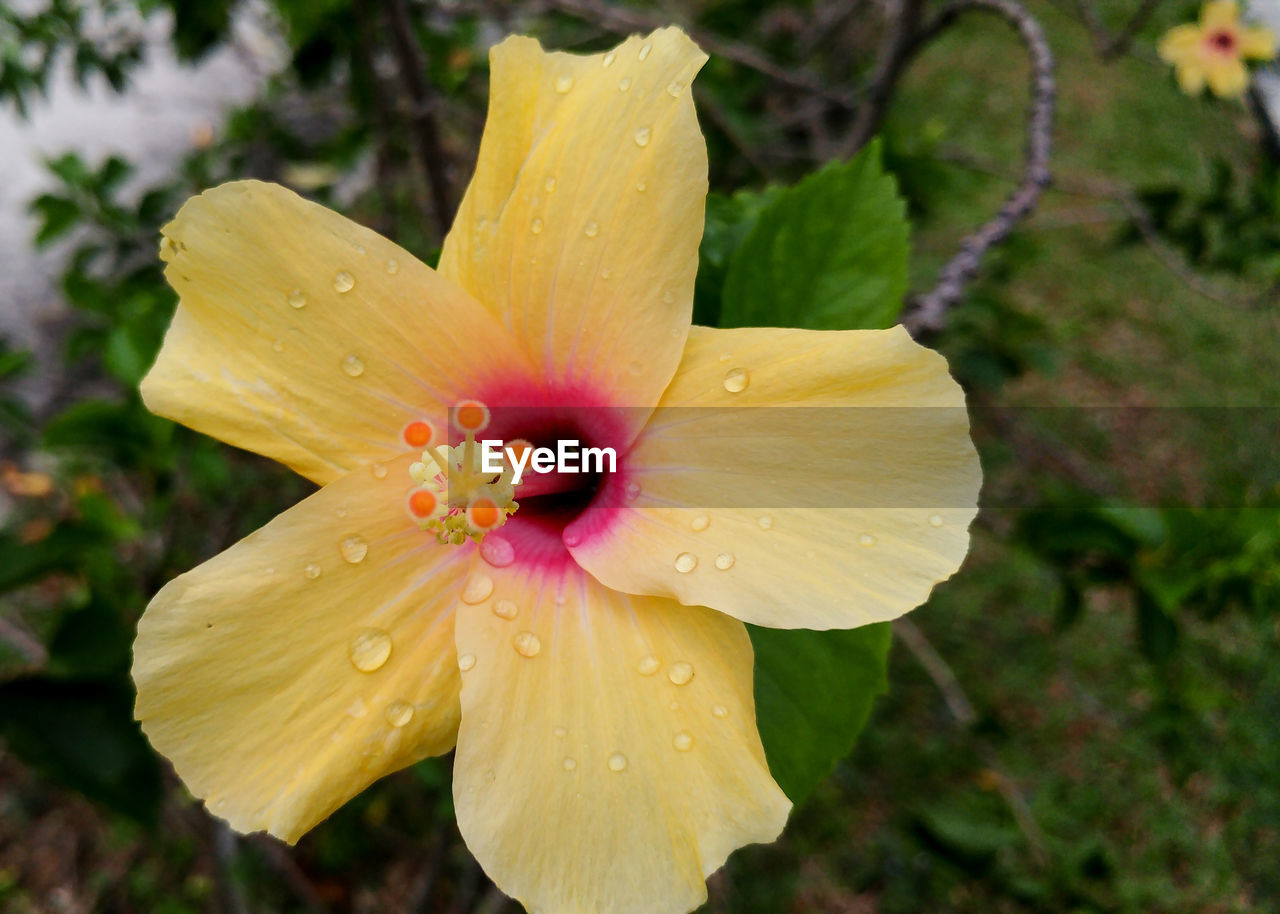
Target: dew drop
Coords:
[(648, 666), (353, 549), (700, 523), (632, 490), (564, 84), (536, 226), (357, 709), (353, 365), (592, 229), (764, 521), (277, 346), (560, 732), (606, 273), (724, 561), (569, 764), (297, 299), (686, 562), (625, 84), (609, 59), (369, 649), (674, 89), (399, 713), (866, 539), (343, 281), (644, 51), (497, 551), (477, 590), (379, 471), (720, 711), (680, 672), (527, 644), (643, 135), (668, 297), (636, 368), (617, 762), (393, 266), (505, 609), (641, 185), (466, 662), (571, 538), (683, 741), (935, 520), (311, 572), (736, 380), (549, 185)]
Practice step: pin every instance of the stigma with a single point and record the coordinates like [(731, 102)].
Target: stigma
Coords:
[(454, 496)]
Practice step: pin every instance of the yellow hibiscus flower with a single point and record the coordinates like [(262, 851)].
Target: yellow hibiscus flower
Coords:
[(1215, 50), (587, 657)]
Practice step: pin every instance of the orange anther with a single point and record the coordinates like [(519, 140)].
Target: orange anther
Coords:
[(471, 416), (483, 514), (422, 503), (418, 433)]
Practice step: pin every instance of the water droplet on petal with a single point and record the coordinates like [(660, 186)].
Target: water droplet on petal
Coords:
[(353, 365), (564, 84), (505, 609), (674, 89), (527, 644), (935, 520), (765, 521), (343, 281), (724, 561), (311, 572), (720, 711), (379, 471), (497, 551), (393, 266), (466, 662), (641, 185), (643, 135), (736, 380), (277, 346), (866, 539), (667, 298), (369, 649), (297, 299), (560, 732), (592, 229), (606, 273), (680, 672), (686, 562), (353, 549), (636, 368), (683, 741), (477, 589), (549, 185), (571, 537), (644, 51), (357, 709), (399, 713), (536, 226), (700, 523), (624, 84), (617, 762), (648, 666), (569, 764), (632, 490), (609, 59)]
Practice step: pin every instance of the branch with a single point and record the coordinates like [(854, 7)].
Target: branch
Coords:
[(422, 117), (927, 312), (1110, 46), (896, 51)]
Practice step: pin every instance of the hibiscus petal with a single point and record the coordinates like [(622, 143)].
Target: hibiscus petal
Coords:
[(841, 501), (308, 338), (1219, 14), (580, 229), (286, 674), (1227, 78), (1258, 43), (608, 759), (1181, 43)]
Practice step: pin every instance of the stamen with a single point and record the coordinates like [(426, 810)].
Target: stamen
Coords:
[(483, 515), (418, 433), (471, 416), (423, 503)]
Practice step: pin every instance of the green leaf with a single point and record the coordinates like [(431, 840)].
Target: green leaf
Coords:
[(82, 734), (728, 222), (58, 215), (828, 254), (814, 692)]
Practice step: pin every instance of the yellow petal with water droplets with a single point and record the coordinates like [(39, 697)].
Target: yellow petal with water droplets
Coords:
[(585, 786), (839, 500), (308, 338), (281, 679), (580, 229), (1258, 43)]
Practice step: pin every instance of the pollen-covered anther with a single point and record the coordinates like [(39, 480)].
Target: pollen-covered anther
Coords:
[(483, 515), (471, 417), (418, 433), (424, 505)]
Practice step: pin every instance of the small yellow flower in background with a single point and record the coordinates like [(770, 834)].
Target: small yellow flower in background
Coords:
[(578, 640), (1215, 50)]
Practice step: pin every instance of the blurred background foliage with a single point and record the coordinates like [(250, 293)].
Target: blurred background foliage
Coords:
[(1084, 719)]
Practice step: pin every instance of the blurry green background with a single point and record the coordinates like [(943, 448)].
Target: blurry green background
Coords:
[(1086, 718)]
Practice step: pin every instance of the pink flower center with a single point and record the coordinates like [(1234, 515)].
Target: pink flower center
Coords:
[(1222, 41)]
